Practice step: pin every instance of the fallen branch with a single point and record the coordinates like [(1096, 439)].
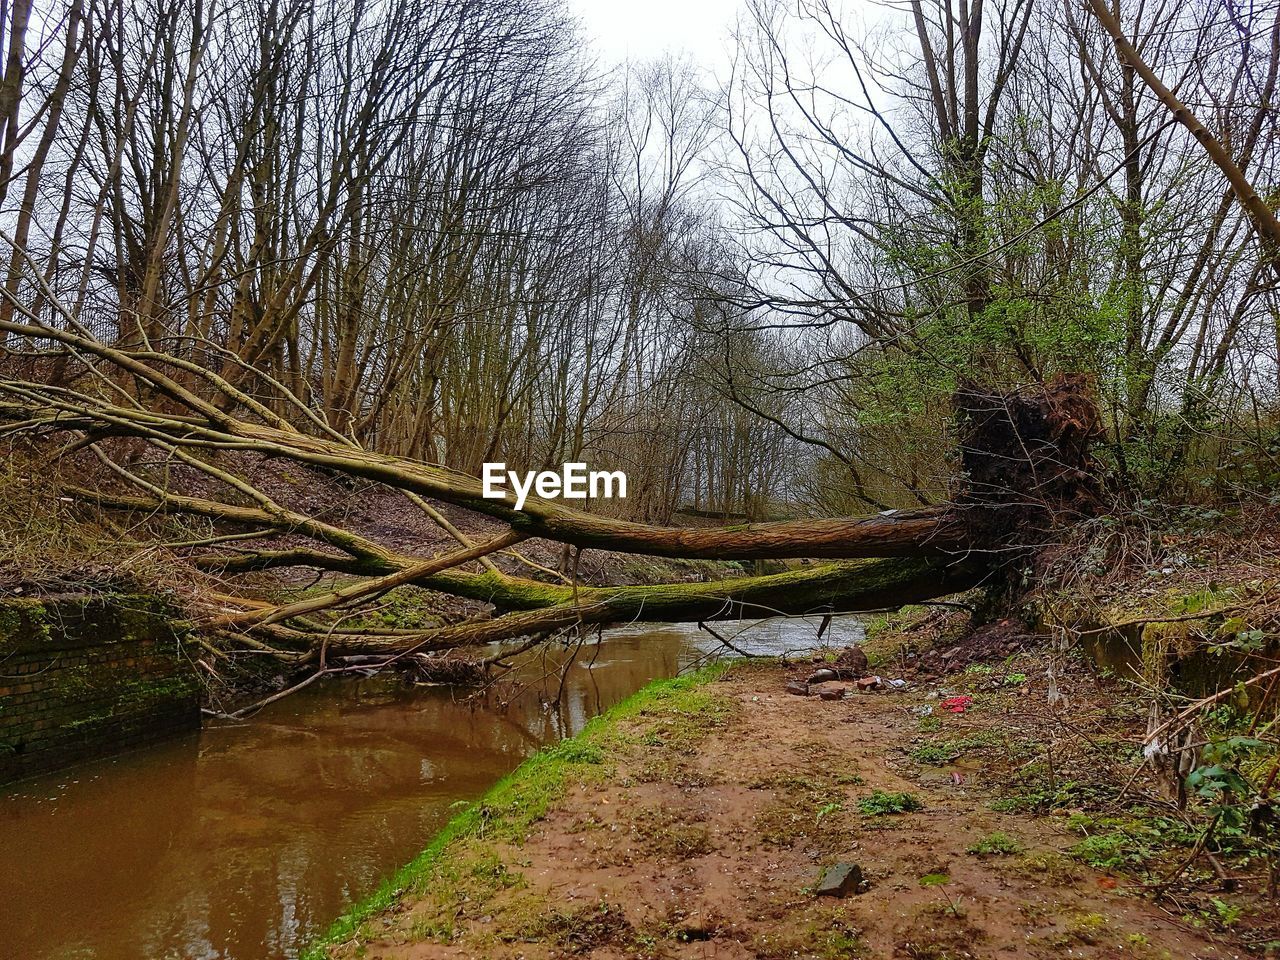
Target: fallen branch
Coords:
[(1185, 714), (1024, 453)]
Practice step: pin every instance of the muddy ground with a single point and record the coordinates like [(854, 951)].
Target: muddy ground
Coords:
[(704, 826)]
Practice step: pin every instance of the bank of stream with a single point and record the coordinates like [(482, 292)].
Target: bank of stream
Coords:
[(244, 841), (720, 816)]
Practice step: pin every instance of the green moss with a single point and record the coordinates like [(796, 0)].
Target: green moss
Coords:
[(24, 625), (29, 624), (119, 696), (641, 569), (849, 582), (136, 618), (404, 608), (88, 681), (10, 623), (681, 707)]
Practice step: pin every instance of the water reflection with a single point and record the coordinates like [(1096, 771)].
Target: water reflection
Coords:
[(242, 841)]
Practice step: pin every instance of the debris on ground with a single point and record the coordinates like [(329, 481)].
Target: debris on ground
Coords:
[(716, 809), (849, 665), (988, 643), (827, 689)]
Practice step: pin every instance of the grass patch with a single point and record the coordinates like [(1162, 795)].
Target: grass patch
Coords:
[(459, 858), (887, 637), (588, 929), (1050, 867), (936, 754), (1085, 929), (819, 930), (665, 833), (1135, 841), (1035, 796), (810, 808), (996, 844), (880, 803), (939, 753)]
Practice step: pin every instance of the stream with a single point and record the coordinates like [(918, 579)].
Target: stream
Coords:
[(244, 841)]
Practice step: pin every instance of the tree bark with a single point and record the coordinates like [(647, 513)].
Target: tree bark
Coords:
[(853, 587)]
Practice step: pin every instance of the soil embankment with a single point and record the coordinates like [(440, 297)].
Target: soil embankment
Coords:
[(697, 820)]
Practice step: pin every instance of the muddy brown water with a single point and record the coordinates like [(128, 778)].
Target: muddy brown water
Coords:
[(243, 842)]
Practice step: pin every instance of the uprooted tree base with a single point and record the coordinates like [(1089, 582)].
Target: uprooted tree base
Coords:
[(178, 438)]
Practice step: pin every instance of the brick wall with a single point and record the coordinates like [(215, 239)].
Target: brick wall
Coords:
[(84, 677)]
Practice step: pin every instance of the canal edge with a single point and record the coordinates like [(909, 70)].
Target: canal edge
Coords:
[(523, 797)]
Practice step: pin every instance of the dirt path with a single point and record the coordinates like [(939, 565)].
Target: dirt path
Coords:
[(707, 833)]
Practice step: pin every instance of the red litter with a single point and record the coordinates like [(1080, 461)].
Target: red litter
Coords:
[(956, 704)]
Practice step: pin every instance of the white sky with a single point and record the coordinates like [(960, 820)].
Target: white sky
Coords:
[(645, 29)]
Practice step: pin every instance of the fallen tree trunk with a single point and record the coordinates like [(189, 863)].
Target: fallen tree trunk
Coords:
[(208, 426), (1024, 453), (851, 587)]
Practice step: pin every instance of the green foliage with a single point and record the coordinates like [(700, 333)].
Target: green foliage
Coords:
[(936, 754), (1199, 601), (1134, 841), (1228, 914), (941, 752), (1035, 797), (1237, 638), (835, 806), (996, 844), (1105, 851), (1220, 782), (881, 803)]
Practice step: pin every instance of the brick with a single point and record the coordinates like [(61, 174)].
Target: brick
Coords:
[(66, 690)]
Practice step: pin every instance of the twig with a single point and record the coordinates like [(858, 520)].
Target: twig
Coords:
[(738, 650), (1164, 885), (1209, 701)]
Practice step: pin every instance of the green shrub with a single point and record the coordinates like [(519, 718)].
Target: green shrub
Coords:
[(881, 803)]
